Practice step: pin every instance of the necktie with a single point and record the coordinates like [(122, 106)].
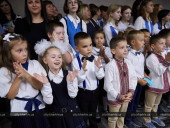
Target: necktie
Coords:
[(91, 58)]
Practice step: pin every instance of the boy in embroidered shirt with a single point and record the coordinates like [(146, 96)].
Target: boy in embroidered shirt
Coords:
[(90, 70), (159, 67), (120, 81), (135, 39)]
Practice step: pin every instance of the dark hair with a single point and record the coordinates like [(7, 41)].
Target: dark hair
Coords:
[(114, 42), (3, 18), (51, 25), (155, 38), (80, 36), (132, 35), (28, 15), (165, 33), (144, 30), (93, 9), (100, 31), (162, 14), (65, 7), (103, 8), (125, 7), (142, 11), (5, 49)]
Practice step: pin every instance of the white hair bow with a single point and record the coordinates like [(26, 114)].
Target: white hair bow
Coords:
[(7, 36)]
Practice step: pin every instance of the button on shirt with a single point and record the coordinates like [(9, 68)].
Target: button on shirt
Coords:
[(137, 62), (90, 76), (71, 86)]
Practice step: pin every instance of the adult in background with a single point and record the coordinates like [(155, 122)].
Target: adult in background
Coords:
[(32, 27)]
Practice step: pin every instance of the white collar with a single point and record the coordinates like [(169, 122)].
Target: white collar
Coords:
[(53, 76), (72, 19)]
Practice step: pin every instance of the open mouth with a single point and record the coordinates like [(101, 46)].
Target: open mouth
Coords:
[(57, 63)]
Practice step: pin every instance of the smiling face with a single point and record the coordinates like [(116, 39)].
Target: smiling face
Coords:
[(19, 52), (85, 47), (50, 10), (126, 15), (34, 6), (53, 59)]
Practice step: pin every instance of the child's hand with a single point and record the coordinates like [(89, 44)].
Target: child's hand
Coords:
[(98, 63), (167, 57), (102, 52), (142, 82), (55, 36), (42, 78), (19, 70), (71, 75), (84, 65), (126, 99), (129, 95)]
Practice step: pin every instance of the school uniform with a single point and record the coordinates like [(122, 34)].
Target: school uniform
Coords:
[(110, 32), (71, 27), (122, 27), (88, 86), (120, 79), (157, 28), (159, 73), (140, 23), (137, 60), (64, 93), (27, 99)]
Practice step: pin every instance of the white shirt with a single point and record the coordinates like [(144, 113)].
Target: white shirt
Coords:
[(108, 53), (168, 24), (90, 76), (137, 62), (75, 22), (122, 27), (112, 80), (71, 86), (156, 30), (25, 90), (156, 71), (140, 24), (108, 32)]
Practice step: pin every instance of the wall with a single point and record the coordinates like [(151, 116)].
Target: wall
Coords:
[(18, 5)]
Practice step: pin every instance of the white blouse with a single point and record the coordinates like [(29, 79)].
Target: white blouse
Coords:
[(25, 90)]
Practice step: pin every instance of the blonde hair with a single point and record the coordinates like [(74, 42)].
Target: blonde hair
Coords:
[(112, 8), (132, 35), (82, 11), (63, 66)]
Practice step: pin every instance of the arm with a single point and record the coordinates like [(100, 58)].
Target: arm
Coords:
[(108, 34), (98, 68), (139, 23), (67, 57)]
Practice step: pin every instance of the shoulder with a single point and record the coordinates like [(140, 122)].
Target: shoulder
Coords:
[(110, 65), (34, 63), (3, 70)]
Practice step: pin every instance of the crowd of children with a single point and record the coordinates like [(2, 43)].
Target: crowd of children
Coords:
[(82, 66)]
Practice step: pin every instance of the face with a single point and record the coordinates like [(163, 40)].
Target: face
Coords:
[(160, 8), (34, 6), (126, 14), (159, 46), (85, 47), (59, 33), (138, 43), (104, 14), (19, 52), (120, 51), (72, 6), (147, 37), (55, 11), (116, 15), (87, 13), (53, 59), (98, 13), (50, 9), (149, 7), (166, 18), (99, 40), (5, 8)]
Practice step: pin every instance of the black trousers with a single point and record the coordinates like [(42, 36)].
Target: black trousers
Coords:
[(87, 101)]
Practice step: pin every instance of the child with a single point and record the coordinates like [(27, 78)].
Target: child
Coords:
[(163, 18), (106, 56), (90, 71), (72, 23), (65, 87), (159, 68), (135, 39), (144, 21), (55, 32), (18, 84), (120, 88), (110, 29)]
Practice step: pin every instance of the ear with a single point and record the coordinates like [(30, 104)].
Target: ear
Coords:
[(133, 42), (152, 46), (113, 51), (49, 35), (44, 60), (77, 48)]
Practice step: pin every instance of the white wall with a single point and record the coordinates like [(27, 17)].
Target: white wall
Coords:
[(18, 5)]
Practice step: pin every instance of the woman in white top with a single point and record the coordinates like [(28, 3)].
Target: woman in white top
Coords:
[(144, 21), (110, 29), (126, 15), (72, 23)]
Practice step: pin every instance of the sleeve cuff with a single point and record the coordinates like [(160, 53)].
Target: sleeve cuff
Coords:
[(131, 91), (119, 97)]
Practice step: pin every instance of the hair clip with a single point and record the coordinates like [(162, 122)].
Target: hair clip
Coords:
[(7, 36)]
